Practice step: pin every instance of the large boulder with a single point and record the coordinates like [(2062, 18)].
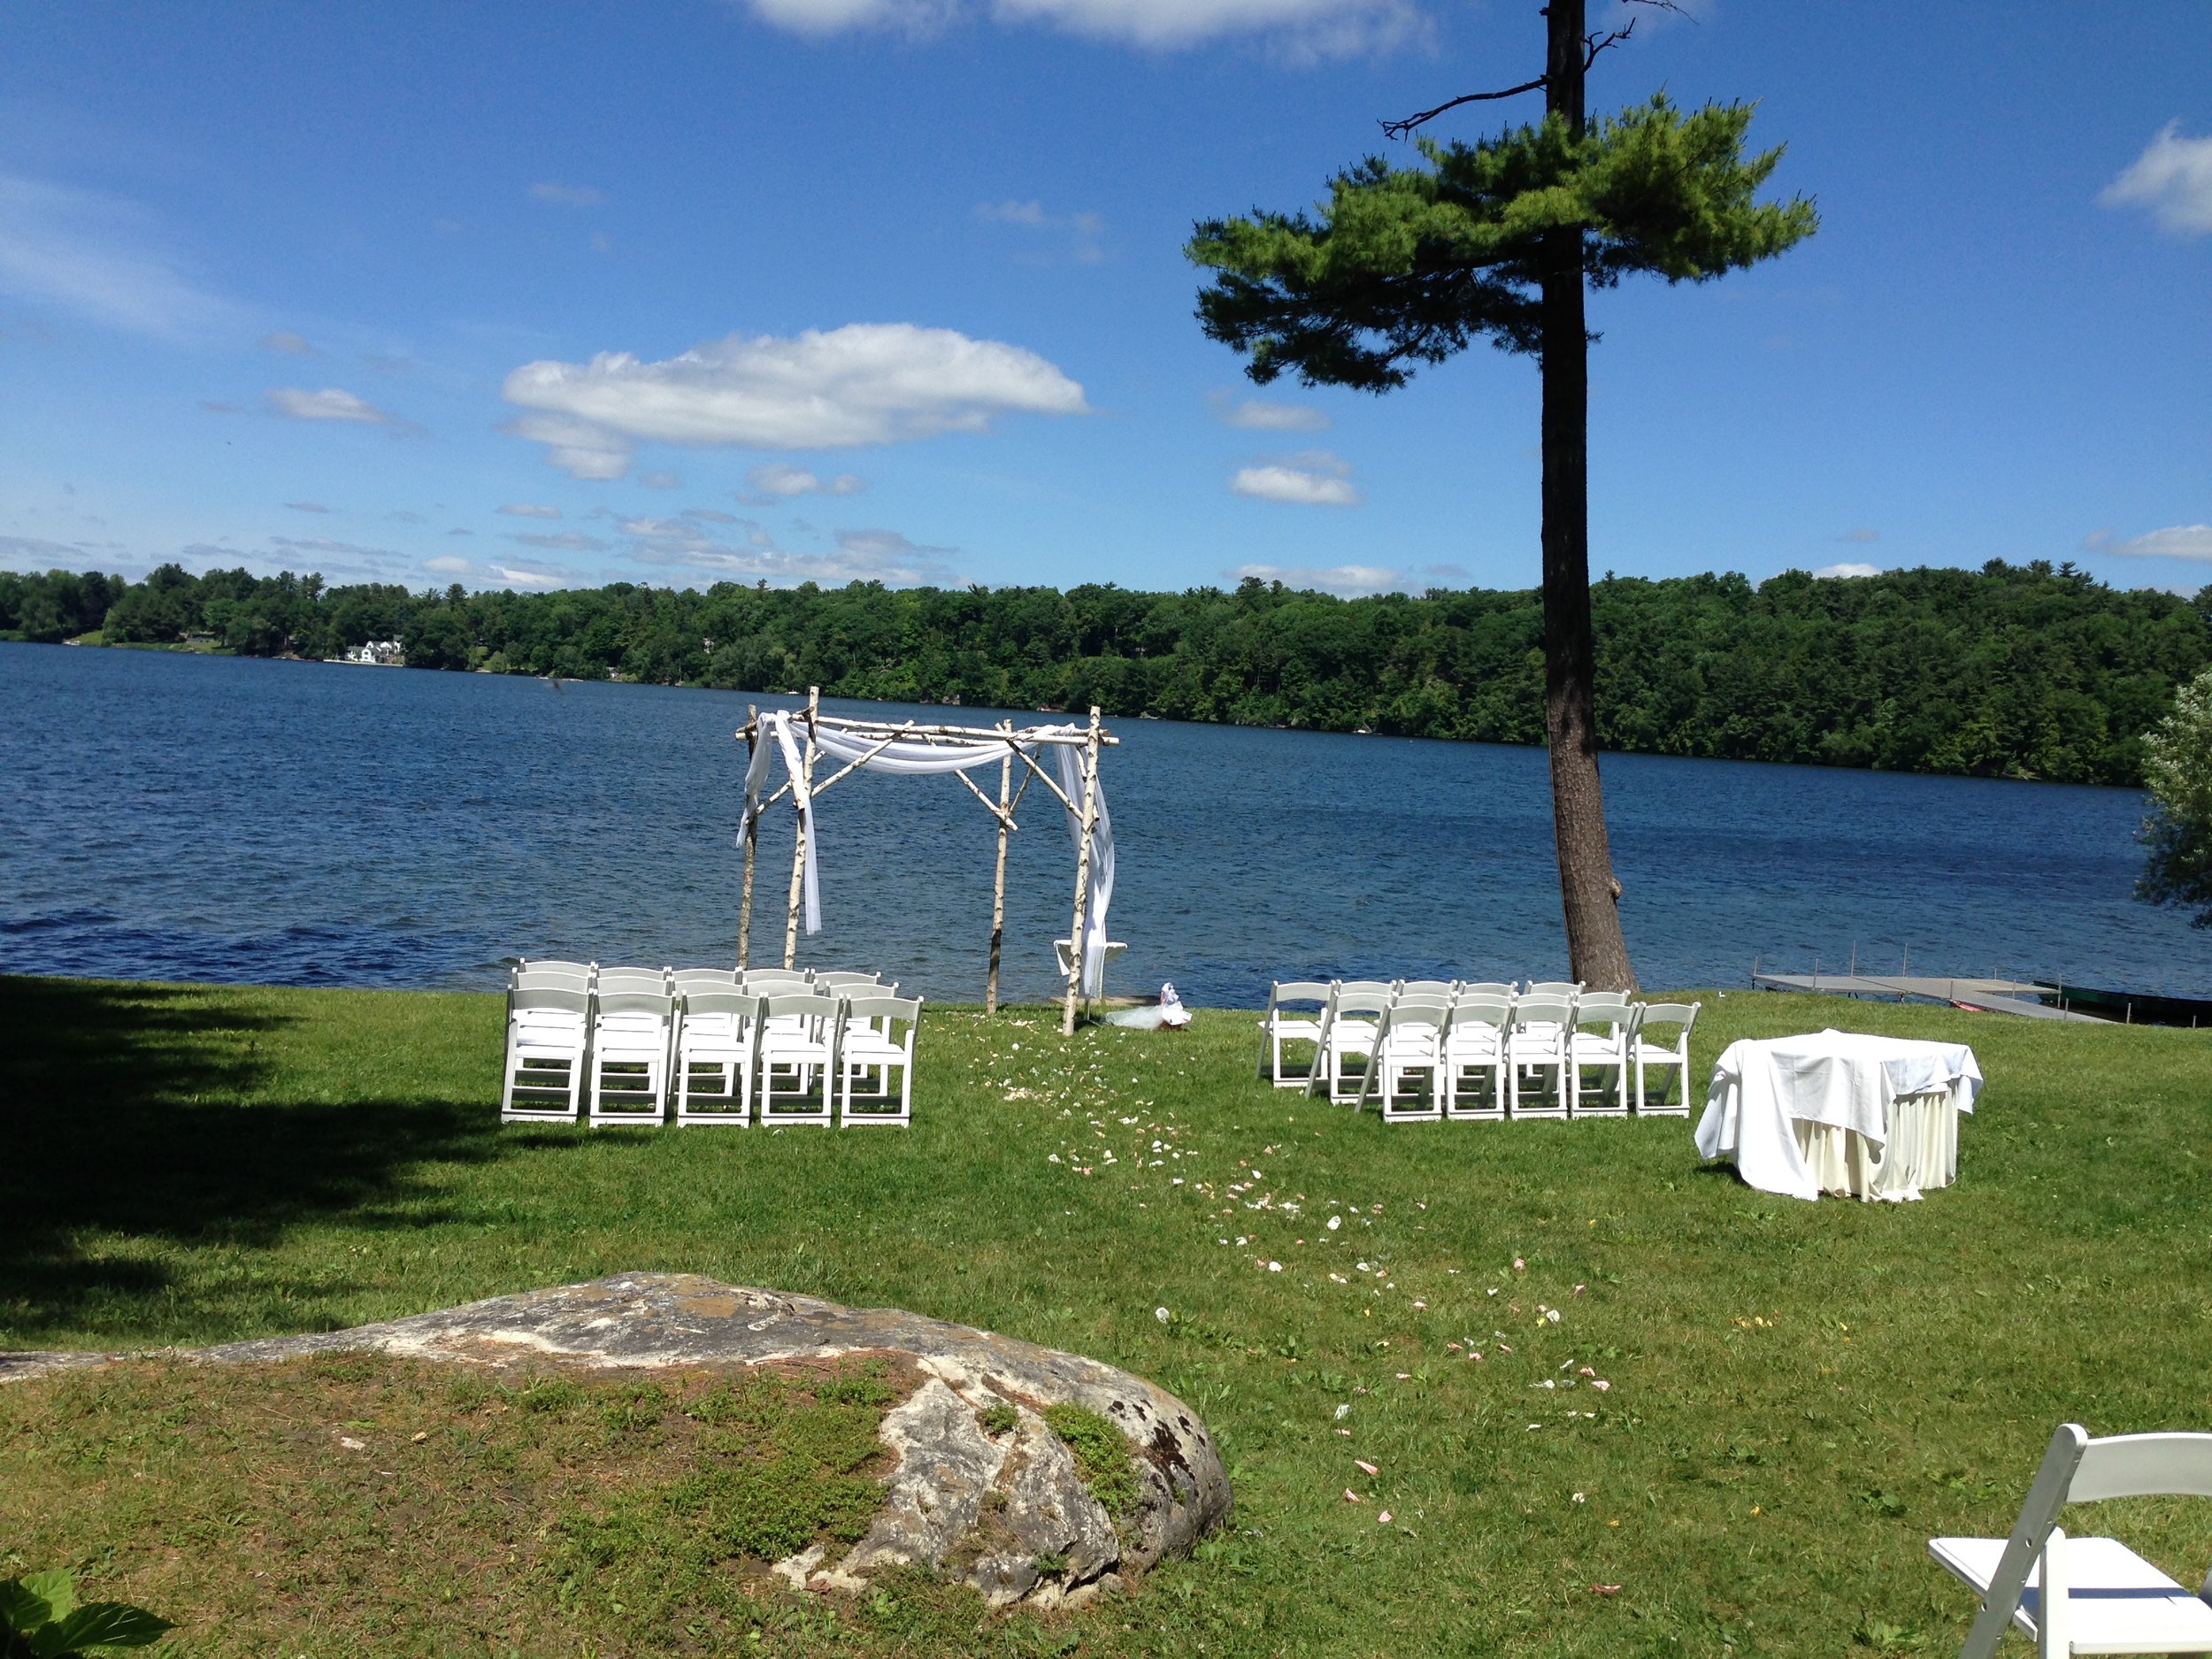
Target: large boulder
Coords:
[(982, 1488)]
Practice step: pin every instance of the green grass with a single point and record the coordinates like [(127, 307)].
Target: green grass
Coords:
[(191, 1165)]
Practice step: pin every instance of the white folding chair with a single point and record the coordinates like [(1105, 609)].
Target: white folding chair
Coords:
[(2087, 1595), (548, 1035), (718, 1055), (630, 1036), (1538, 1042), (1278, 1026), (876, 1042), (1348, 1023), (1599, 1040), (1645, 1052), (798, 1058), (1409, 1041), (1474, 1043)]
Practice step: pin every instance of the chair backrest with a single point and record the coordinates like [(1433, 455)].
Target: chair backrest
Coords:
[(1409, 1011), (567, 999), (1364, 987), (1354, 1001), (686, 979), (1601, 1008), (775, 977), (1428, 987), (658, 1004), (1684, 1014), (845, 976), (1555, 988), (883, 1007), (743, 1005), (805, 1004), (633, 980), (1296, 991), (1543, 1011), (1485, 988), (529, 978), (547, 965), (1481, 1010), (2078, 1470)]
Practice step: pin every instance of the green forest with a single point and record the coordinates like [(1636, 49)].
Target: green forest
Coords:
[(2011, 671)]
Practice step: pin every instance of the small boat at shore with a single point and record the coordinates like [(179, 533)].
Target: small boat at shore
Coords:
[(2132, 1008)]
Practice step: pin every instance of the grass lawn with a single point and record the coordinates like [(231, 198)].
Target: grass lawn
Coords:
[(1801, 1394)]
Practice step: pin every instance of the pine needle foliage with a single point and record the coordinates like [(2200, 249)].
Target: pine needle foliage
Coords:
[(1409, 265)]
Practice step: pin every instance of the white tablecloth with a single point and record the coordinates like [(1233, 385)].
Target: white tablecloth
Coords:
[(1841, 1111)]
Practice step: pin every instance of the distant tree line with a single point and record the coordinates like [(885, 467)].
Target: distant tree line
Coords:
[(2010, 671)]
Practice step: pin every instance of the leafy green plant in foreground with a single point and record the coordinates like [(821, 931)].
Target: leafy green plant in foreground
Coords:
[(40, 1618), (1102, 1455)]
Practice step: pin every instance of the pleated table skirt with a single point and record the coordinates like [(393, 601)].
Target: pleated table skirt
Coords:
[(1922, 1151)]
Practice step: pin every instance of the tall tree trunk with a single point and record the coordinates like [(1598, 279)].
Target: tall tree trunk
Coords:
[(1597, 952)]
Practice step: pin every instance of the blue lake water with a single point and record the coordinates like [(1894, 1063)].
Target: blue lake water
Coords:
[(195, 818)]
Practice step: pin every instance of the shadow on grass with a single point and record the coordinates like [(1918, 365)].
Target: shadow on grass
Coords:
[(144, 1113)]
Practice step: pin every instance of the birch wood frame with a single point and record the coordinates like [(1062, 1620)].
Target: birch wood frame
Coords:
[(880, 735)]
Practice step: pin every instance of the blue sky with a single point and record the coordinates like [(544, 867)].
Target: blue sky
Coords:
[(695, 289)]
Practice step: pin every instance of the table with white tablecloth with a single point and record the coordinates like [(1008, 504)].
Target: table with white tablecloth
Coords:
[(1841, 1112)]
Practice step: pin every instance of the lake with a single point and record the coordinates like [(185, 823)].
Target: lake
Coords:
[(174, 816)]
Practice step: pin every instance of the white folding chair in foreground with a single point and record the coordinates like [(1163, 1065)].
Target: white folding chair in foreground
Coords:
[(1474, 1044), (875, 1060), (1598, 1040), (2086, 1595), (798, 1056), (546, 1035), (1347, 1027), (1410, 1043), (630, 1036), (717, 1053), (1278, 1025), (1647, 1052), (1537, 1044)]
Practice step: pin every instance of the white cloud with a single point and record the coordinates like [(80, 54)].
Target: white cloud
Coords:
[(1845, 573), (778, 482), (565, 542), (1314, 479), (1259, 414), (1335, 579), (882, 556), (864, 383), (102, 257), (447, 564), (2173, 179), (330, 403), (521, 576), (1080, 232), (567, 195), (291, 344), (2176, 542), (1306, 28), (529, 510), (578, 448)]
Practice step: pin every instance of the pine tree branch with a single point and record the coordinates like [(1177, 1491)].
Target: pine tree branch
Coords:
[(1399, 128)]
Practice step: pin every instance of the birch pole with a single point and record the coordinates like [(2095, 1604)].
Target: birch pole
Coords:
[(998, 880), (798, 846), (1090, 822), (752, 836)]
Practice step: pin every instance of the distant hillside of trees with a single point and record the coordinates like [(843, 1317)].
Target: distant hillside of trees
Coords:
[(2010, 671)]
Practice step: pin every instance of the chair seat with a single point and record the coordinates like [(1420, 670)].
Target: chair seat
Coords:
[(2119, 1603)]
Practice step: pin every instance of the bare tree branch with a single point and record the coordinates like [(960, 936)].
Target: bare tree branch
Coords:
[(1593, 45), (1399, 129)]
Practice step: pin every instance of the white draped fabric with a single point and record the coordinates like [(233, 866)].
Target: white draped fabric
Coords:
[(1840, 1111), (911, 756)]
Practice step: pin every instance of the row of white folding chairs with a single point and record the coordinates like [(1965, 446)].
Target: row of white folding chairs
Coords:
[(620, 1048), (1454, 1034)]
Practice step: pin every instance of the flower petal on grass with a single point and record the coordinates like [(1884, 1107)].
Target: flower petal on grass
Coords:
[(1364, 1467)]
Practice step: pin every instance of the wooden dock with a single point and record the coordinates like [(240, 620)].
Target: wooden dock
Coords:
[(1997, 996)]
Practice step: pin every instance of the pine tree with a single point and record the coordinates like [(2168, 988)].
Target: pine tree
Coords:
[(1500, 239)]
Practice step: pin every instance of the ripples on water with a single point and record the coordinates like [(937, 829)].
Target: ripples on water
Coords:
[(196, 817)]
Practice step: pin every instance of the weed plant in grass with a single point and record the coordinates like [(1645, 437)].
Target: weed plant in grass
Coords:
[(1796, 1396)]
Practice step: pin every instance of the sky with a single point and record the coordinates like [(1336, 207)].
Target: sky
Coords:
[(684, 291)]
